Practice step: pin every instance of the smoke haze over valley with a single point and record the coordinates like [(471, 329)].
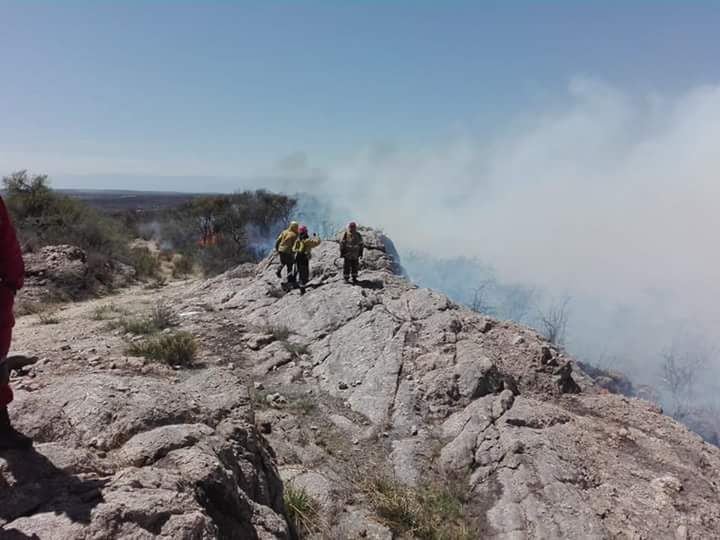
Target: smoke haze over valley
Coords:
[(604, 196)]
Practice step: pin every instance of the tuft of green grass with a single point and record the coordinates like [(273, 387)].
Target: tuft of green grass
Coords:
[(278, 331), (162, 317), (297, 349), (104, 312), (173, 349), (33, 308), (430, 512), (101, 313), (303, 405), (303, 511), (48, 317), (137, 326)]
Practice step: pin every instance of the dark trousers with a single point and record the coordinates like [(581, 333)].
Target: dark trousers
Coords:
[(303, 267), (351, 266), (7, 298), (287, 260)]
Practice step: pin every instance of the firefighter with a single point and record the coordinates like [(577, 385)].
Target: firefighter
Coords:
[(284, 246), (302, 250), (351, 250)]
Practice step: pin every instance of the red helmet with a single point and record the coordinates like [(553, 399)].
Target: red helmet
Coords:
[(302, 229), (352, 225)]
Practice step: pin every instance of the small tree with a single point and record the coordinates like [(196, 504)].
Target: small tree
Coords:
[(517, 301), (479, 302), (679, 374), (554, 321), (28, 197)]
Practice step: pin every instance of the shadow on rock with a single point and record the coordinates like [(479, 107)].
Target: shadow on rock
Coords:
[(375, 284), (14, 534), (30, 483)]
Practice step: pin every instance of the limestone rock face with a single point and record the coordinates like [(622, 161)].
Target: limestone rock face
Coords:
[(122, 456), (433, 390), (346, 383)]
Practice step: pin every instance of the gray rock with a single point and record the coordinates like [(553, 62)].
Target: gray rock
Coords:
[(425, 389), (172, 470)]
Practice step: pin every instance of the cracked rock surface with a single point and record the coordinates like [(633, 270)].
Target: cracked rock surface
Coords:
[(398, 377), (346, 382)]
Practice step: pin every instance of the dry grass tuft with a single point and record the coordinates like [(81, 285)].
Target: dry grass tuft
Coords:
[(173, 349), (429, 513), (303, 511)]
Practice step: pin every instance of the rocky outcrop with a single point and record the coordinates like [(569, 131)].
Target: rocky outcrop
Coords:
[(63, 272), (131, 456), (402, 377), (612, 381), (348, 384)]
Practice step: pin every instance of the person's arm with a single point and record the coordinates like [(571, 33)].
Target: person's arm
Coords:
[(314, 241), (12, 269), (343, 244)]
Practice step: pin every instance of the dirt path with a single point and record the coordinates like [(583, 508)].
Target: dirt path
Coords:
[(82, 332)]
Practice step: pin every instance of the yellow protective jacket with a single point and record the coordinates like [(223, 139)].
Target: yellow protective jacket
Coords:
[(286, 240), (306, 245)]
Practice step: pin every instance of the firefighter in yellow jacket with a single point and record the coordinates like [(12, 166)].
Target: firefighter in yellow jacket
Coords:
[(284, 246), (302, 248)]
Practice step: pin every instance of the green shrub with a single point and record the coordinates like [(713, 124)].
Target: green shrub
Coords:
[(44, 217), (215, 233), (145, 263), (100, 270), (173, 349), (183, 266)]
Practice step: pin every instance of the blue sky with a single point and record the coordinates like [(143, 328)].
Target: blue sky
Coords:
[(231, 88), (569, 145)]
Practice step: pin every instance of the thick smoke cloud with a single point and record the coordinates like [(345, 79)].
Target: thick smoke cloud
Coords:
[(610, 198)]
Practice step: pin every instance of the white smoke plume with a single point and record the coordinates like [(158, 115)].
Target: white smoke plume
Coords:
[(610, 198)]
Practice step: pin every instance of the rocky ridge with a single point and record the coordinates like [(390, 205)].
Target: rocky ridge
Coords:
[(345, 383)]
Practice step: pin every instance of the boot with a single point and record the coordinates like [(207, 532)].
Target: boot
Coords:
[(9, 438)]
